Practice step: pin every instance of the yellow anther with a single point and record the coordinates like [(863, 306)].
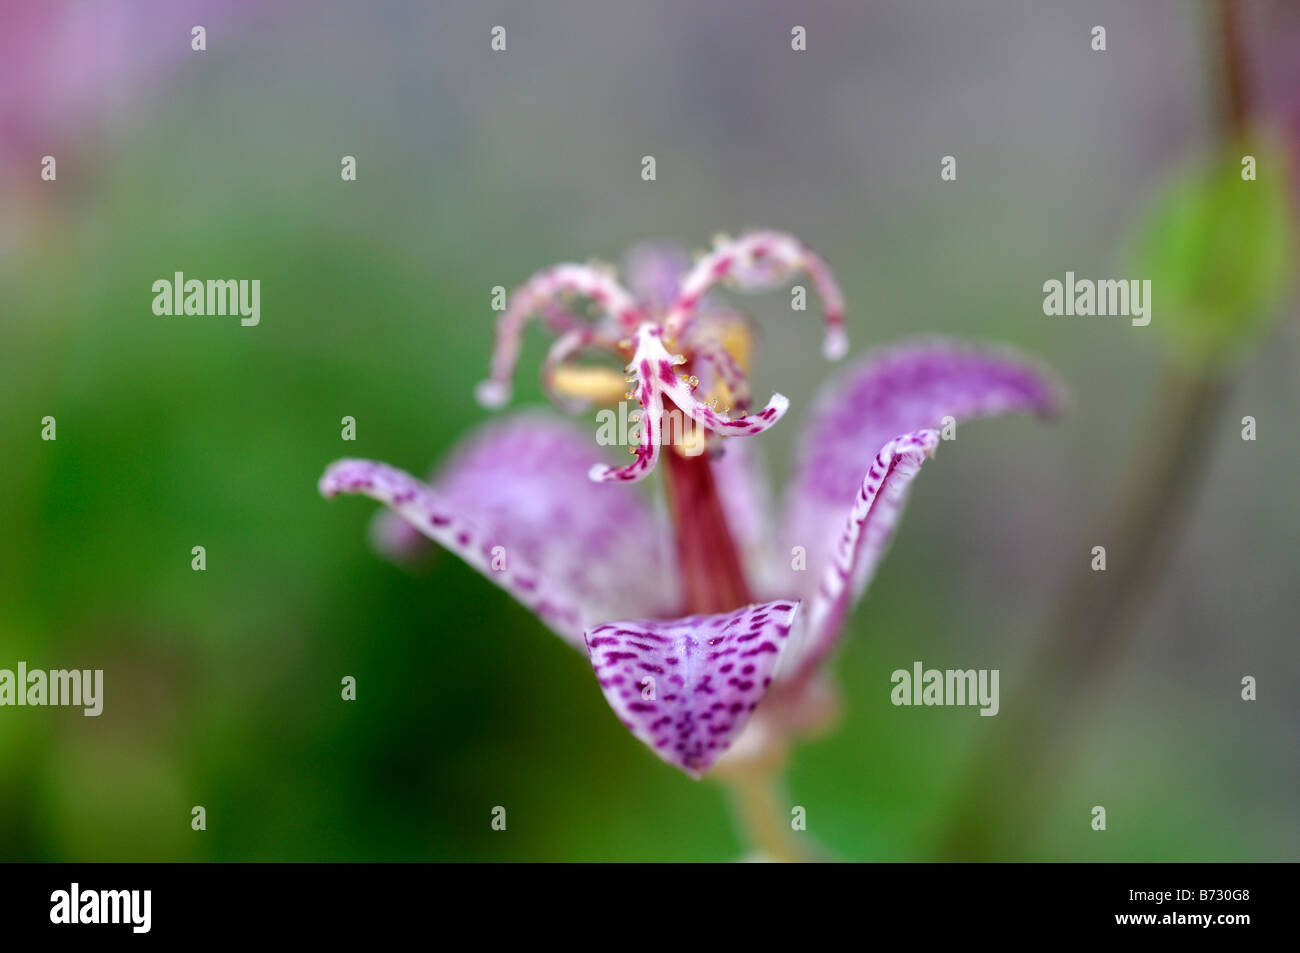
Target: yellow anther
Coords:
[(598, 385), (692, 442), (738, 341)]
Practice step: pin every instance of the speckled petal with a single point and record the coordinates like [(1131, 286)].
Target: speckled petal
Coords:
[(571, 552), (864, 536), (686, 687), (913, 386)]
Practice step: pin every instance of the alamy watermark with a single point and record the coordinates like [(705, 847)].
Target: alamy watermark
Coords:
[(77, 688), (74, 906), (182, 296), (950, 687), (672, 428), (1083, 297)]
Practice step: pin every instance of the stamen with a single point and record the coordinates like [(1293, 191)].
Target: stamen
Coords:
[(653, 367), (574, 387), (760, 261), (539, 293)]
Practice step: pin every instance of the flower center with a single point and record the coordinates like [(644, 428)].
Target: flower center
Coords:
[(713, 579)]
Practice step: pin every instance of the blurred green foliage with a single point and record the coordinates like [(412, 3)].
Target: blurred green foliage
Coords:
[(1219, 249)]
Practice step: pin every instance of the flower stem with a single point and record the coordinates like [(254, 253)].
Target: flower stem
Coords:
[(763, 815), (1009, 780)]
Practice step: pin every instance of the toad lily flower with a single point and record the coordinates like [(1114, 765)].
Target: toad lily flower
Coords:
[(695, 639)]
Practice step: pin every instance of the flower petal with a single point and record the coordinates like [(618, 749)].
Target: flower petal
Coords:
[(686, 687), (571, 552), (913, 386), (397, 540), (745, 492), (864, 537), (653, 270)]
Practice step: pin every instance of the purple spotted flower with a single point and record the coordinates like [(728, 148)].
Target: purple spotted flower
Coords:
[(720, 620)]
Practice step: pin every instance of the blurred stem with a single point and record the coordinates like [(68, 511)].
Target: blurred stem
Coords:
[(1234, 108), (1010, 779), (763, 813)]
